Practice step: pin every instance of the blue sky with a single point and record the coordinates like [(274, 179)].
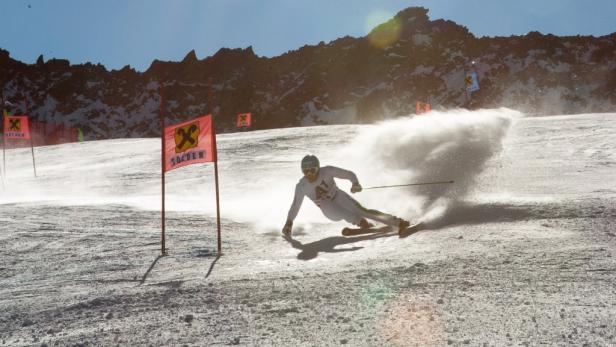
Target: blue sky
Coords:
[(116, 33)]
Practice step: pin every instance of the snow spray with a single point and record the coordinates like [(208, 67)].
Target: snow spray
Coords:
[(453, 145)]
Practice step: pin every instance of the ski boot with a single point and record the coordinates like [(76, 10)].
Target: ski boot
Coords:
[(364, 224), (402, 225)]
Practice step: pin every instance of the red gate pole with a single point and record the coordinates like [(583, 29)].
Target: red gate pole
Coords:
[(211, 109), (162, 161), (3, 140), (32, 150), (3, 143), (217, 189), (29, 129), (3, 148)]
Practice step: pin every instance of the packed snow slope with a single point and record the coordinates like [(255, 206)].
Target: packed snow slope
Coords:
[(518, 250)]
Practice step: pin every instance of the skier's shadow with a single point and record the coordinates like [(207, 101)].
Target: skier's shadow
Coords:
[(311, 250)]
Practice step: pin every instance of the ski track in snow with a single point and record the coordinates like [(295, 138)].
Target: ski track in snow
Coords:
[(519, 251)]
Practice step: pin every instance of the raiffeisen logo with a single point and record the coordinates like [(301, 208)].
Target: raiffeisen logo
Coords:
[(186, 138), (14, 124)]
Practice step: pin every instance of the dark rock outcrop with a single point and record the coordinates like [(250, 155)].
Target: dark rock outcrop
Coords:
[(406, 59)]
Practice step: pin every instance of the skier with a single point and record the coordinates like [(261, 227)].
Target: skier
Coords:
[(318, 184)]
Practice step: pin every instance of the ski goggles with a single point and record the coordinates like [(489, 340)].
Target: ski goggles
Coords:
[(310, 171)]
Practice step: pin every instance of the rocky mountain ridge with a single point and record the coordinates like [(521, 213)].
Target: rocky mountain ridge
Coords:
[(410, 58)]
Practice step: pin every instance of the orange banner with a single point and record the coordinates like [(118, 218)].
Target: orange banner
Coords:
[(16, 127), (189, 143), (244, 120)]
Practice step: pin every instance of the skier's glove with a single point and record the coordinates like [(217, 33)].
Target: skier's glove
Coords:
[(286, 230), (356, 188)]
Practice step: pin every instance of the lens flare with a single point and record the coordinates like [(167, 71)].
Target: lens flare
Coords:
[(386, 29), (411, 320), (375, 293)]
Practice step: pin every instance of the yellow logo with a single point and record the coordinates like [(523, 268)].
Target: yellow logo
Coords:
[(186, 137), (15, 124)]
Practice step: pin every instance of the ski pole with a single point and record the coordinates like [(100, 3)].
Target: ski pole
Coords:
[(410, 184)]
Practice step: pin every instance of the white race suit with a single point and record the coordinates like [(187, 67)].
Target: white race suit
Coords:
[(335, 203)]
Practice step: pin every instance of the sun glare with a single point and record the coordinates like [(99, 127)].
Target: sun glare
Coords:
[(382, 29), (411, 320)]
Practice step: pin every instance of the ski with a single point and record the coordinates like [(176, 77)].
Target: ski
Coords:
[(362, 231), (410, 230)]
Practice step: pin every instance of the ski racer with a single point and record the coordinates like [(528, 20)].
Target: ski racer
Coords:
[(319, 186)]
